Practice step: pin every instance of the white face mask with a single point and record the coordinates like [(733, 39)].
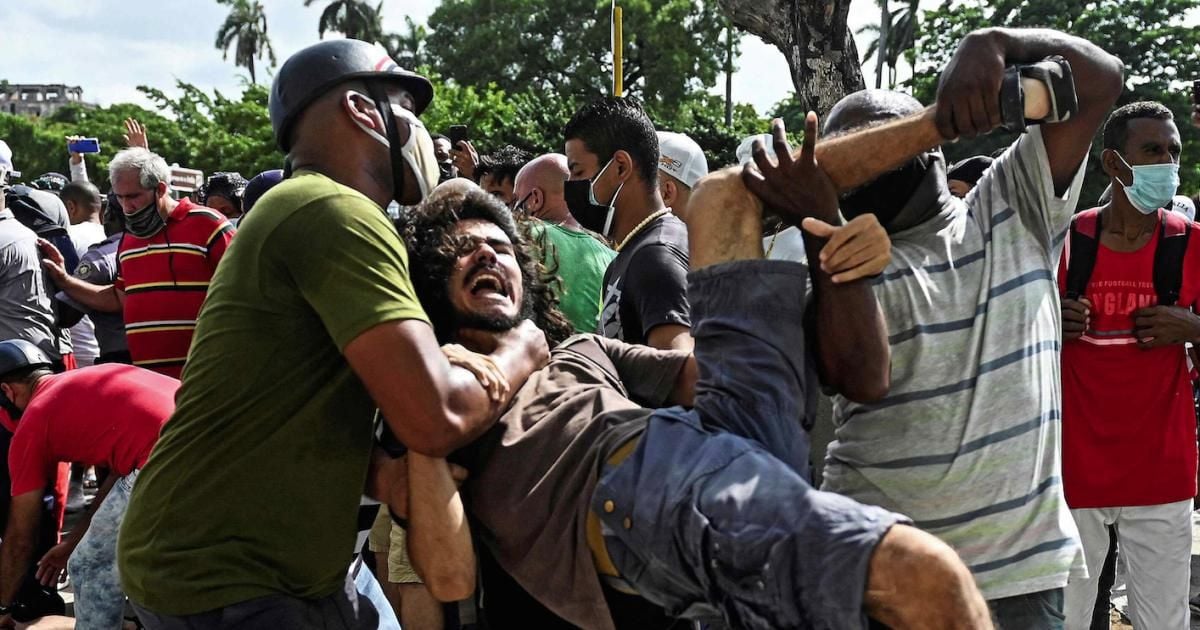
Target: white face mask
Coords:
[(419, 152)]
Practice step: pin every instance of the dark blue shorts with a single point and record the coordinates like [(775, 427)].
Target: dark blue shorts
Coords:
[(713, 513)]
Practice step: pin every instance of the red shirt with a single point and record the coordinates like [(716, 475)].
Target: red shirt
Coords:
[(107, 415), (1129, 424), (165, 279)]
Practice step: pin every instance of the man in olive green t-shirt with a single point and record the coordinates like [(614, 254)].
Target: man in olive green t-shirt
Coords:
[(245, 514), (576, 256)]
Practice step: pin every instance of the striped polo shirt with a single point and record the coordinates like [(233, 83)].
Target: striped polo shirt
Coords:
[(165, 279), (967, 442)]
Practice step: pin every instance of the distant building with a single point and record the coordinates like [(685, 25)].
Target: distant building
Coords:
[(29, 99)]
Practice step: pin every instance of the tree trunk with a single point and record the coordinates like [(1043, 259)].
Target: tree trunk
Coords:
[(813, 36), (883, 48), (729, 76)]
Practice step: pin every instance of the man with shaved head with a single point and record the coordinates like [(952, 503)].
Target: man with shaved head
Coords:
[(577, 256), (967, 440)]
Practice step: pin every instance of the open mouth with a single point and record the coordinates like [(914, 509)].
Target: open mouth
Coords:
[(487, 283)]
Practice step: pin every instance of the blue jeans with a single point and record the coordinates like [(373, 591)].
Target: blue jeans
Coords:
[(712, 512), (369, 588), (99, 600), (1042, 610)]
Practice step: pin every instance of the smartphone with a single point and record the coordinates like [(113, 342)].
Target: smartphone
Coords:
[(457, 133), (84, 145)]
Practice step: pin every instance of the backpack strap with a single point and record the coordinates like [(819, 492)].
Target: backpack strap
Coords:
[(1084, 240), (1174, 232)]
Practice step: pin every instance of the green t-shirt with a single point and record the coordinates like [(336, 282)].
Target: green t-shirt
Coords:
[(253, 487), (581, 259)]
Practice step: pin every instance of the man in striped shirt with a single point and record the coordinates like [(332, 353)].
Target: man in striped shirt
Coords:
[(966, 442), (164, 263)]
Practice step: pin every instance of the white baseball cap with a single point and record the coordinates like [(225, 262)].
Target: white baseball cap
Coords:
[(745, 149), (1183, 205), (680, 157)]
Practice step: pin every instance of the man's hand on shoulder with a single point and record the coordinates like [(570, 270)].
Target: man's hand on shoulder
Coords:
[(53, 262), (858, 249), (1158, 326), (516, 353), (482, 366)]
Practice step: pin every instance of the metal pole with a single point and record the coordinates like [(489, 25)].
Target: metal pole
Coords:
[(618, 57)]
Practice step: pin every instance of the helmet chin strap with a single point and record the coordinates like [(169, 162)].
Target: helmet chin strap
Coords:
[(379, 94)]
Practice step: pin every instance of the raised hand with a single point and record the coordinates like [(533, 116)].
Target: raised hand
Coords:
[(466, 158), (968, 101), (76, 158), (792, 188), (135, 134)]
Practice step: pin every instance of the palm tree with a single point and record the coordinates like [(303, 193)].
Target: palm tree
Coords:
[(353, 18), (895, 35), (247, 25), (408, 49)]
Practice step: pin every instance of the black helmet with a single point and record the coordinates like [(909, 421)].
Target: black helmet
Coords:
[(37, 210), (229, 185), (18, 354), (314, 70), (50, 182)]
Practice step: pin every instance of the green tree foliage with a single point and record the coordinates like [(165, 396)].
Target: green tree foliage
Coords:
[(215, 132), (245, 29), (1159, 50), (210, 133), (672, 47), (408, 48)]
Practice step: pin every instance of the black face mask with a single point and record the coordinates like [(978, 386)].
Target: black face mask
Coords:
[(888, 194), (145, 222), (578, 195)]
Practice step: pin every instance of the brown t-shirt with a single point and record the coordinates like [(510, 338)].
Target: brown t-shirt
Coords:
[(533, 474)]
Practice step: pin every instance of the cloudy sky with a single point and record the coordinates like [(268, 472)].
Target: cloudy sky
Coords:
[(109, 47)]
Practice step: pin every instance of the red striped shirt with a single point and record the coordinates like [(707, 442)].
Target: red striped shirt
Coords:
[(165, 279)]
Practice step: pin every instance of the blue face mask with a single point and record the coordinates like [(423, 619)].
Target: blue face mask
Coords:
[(1153, 185)]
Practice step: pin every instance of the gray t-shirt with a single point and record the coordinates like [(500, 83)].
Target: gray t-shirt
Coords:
[(967, 442), (24, 303)]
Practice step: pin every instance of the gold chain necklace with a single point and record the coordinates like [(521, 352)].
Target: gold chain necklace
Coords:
[(647, 221)]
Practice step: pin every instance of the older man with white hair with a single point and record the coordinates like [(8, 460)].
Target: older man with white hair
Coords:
[(166, 260)]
